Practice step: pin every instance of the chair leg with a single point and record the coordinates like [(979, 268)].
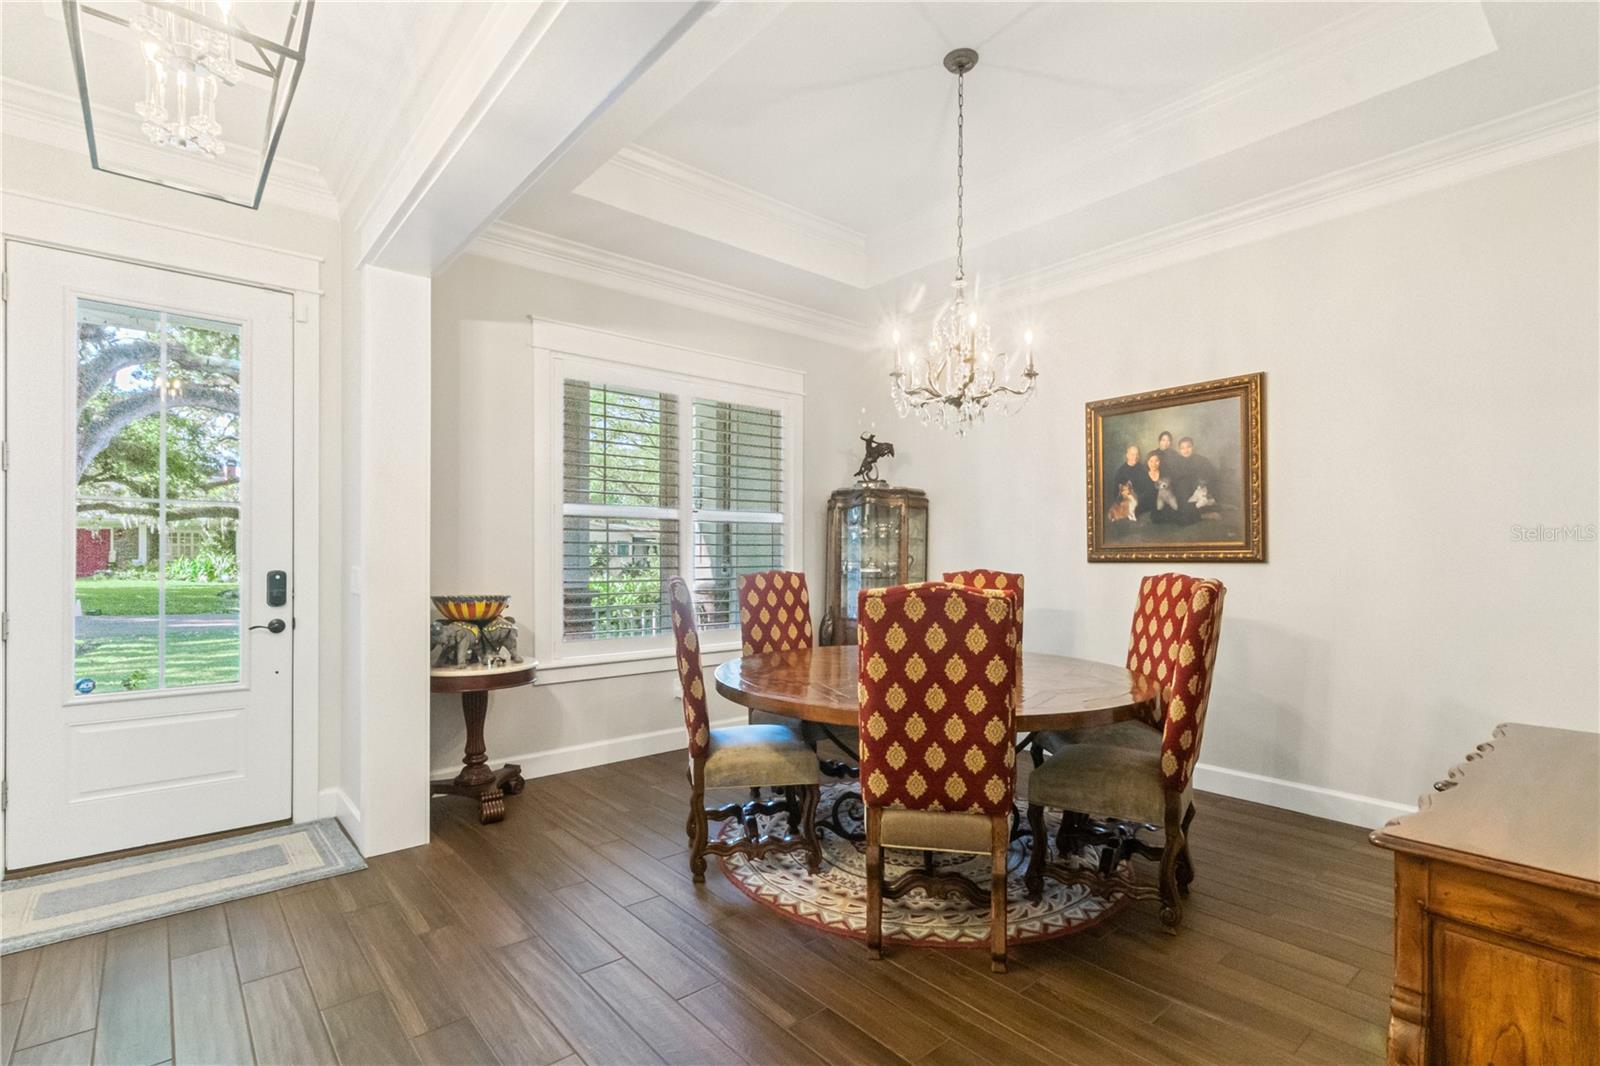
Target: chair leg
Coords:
[(1040, 854), (999, 849), (810, 796), (700, 832), (1185, 859), (791, 804), (688, 823), (874, 886), (1036, 750), (1171, 904)]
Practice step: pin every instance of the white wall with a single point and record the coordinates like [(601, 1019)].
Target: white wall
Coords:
[(482, 529), (39, 170), (1431, 382)]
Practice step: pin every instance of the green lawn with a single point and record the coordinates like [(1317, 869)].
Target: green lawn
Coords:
[(118, 663), (120, 596)]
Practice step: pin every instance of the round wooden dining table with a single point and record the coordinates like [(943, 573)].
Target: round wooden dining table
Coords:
[(819, 685)]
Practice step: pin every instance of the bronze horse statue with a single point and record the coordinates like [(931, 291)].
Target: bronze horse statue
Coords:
[(867, 472)]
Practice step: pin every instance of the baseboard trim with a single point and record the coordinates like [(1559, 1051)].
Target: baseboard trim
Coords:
[(594, 752), (1319, 802), (334, 803), (1314, 800)]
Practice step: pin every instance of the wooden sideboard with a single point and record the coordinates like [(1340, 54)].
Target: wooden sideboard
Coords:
[(1497, 907)]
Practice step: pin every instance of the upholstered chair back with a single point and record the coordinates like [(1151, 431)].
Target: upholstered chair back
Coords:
[(774, 611), (938, 697), (1174, 642), (989, 579), (686, 636), (1005, 581)]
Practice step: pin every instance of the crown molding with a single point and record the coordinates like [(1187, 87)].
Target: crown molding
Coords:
[(655, 186), (55, 119), (464, 40), (544, 252), (1522, 137)]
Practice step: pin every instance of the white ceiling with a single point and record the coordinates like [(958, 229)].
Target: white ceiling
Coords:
[(814, 165), (793, 164), (845, 110)]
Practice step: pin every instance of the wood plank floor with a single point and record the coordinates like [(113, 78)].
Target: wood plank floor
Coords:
[(571, 933)]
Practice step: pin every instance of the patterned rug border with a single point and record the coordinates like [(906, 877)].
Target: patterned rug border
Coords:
[(338, 853), (1113, 907)]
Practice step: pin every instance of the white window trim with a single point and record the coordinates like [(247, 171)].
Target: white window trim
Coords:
[(562, 351)]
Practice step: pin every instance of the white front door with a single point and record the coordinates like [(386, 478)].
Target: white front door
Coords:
[(149, 510)]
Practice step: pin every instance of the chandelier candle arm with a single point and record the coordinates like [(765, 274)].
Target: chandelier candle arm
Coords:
[(953, 379)]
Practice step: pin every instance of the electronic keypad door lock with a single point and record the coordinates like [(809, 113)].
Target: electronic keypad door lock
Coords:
[(277, 588)]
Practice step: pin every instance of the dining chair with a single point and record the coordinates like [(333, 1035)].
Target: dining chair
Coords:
[(1133, 777), (740, 756), (774, 611), (1004, 580), (937, 698), (775, 615)]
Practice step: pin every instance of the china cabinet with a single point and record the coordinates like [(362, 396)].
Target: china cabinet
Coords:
[(876, 537)]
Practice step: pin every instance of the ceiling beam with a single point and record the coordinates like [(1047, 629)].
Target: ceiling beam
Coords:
[(533, 80)]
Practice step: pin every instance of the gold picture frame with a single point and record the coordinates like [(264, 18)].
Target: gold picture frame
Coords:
[(1184, 479)]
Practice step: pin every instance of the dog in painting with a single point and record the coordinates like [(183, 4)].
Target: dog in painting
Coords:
[(1127, 506)]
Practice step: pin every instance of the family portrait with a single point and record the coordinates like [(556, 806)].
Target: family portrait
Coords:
[(1177, 473)]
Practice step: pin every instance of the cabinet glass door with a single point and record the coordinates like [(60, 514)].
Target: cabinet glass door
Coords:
[(880, 546), (916, 546)]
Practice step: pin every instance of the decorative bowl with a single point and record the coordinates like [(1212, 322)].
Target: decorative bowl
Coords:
[(470, 608)]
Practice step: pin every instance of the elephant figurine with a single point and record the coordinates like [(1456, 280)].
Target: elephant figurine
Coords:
[(451, 643), (498, 641)]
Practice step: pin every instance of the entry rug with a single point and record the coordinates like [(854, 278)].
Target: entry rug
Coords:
[(836, 899), (109, 895)]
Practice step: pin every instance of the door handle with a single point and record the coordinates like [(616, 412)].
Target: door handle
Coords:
[(275, 626)]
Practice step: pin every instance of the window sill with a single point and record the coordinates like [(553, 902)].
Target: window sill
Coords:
[(562, 672)]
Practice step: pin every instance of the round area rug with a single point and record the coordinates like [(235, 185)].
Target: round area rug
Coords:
[(836, 898)]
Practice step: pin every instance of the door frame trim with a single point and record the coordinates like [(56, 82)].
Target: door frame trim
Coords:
[(96, 232)]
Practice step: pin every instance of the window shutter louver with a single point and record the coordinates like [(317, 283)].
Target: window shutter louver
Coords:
[(738, 502), (620, 514)]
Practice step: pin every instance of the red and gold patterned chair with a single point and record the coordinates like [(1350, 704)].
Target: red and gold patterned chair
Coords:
[(989, 579), (743, 756), (938, 703), (1133, 776), (774, 611), (1005, 581), (775, 615)]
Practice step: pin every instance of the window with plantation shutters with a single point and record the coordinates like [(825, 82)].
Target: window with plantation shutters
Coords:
[(620, 521), (660, 475), (738, 502)]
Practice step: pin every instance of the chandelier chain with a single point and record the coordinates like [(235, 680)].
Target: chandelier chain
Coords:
[(961, 156)]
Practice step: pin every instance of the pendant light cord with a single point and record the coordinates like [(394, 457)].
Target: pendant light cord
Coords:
[(961, 153)]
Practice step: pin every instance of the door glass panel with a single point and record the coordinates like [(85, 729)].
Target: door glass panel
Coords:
[(202, 597), (158, 487)]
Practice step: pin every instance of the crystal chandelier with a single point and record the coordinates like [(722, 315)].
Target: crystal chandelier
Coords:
[(184, 59), (959, 375), (198, 58)]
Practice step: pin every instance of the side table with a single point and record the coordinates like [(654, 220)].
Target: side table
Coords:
[(476, 780)]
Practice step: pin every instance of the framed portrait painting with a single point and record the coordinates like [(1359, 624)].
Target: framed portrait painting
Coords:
[(1178, 474)]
